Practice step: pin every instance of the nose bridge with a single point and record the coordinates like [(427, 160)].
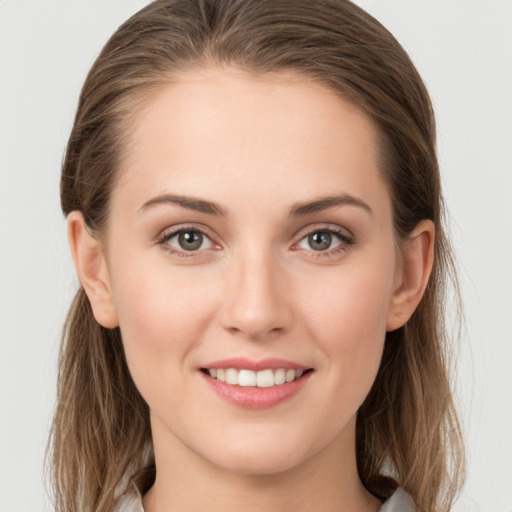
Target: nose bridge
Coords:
[(255, 304)]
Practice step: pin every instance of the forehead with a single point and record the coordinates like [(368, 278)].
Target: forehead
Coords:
[(212, 131)]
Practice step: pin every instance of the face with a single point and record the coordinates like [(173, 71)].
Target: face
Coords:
[(250, 241)]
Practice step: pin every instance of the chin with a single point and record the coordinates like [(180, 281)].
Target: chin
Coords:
[(257, 464), (257, 455)]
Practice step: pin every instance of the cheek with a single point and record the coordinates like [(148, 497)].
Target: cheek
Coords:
[(161, 313), (348, 321)]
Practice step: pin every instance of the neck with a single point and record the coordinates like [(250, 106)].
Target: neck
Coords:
[(328, 481)]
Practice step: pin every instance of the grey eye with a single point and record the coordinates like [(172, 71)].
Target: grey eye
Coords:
[(321, 240), (189, 240)]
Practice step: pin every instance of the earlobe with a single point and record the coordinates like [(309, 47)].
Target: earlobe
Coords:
[(413, 275), (92, 270)]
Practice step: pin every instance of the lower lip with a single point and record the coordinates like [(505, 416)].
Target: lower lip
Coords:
[(254, 397)]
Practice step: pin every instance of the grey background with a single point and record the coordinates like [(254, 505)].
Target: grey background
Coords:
[(463, 50)]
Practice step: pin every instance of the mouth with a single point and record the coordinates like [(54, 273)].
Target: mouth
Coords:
[(265, 378), (256, 384)]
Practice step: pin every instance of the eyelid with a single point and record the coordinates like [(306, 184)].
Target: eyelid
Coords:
[(345, 235), (331, 228), (172, 231), (205, 239)]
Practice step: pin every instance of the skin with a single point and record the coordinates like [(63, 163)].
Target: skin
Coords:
[(256, 146)]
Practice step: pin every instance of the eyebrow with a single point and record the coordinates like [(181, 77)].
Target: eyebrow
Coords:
[(324, 203), (191, 203), (298, 210)]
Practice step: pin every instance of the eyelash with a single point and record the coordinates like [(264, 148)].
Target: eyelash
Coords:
[(168, 235), (346, 241)]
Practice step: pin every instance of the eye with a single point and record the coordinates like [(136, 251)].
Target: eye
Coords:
[(323, 240), (189, 240)]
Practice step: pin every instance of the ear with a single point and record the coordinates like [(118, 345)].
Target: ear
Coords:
[(92, 270), (412, 275)]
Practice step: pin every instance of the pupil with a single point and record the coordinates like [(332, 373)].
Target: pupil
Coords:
[(320, 241), (190, 240)]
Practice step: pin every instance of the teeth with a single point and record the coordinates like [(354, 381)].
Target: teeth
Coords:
[(265, 379), (246, 378), (231, 376), (290, 375), (249, 378), (280, 377)]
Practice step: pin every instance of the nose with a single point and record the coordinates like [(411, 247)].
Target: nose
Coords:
[(256, 305)]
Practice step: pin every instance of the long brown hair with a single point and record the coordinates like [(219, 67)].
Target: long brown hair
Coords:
[(407, 429)]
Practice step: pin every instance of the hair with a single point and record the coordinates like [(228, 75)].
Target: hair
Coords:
[(407, 430)]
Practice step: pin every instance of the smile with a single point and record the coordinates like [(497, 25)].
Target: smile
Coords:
[(249, 378), (256, 385)]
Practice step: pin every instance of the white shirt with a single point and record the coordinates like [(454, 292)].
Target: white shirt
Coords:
[(400, 501)]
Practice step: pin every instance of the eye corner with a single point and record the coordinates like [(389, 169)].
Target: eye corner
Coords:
[(173, 241), (345, 239)]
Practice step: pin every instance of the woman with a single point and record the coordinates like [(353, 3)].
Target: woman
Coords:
[(254, 212)]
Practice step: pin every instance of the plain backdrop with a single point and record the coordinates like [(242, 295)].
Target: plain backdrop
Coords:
[(462, 48)]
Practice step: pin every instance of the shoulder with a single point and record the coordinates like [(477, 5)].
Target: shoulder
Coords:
[(399, 501)]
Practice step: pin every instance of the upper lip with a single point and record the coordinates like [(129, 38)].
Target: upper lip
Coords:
[(242, 363)]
